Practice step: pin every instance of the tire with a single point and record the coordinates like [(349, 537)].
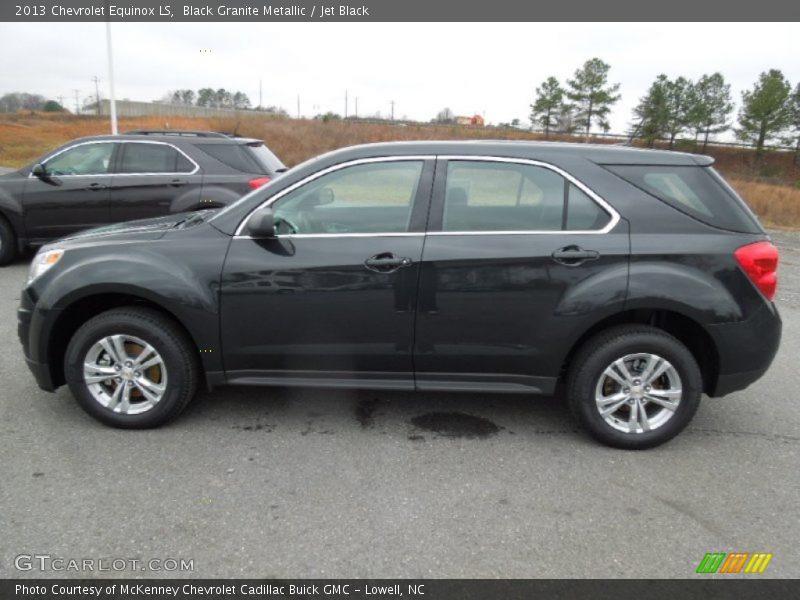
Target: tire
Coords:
[(590, 386), (8, 242), (121, 336)]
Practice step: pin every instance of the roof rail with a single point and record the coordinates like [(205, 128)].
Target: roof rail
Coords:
[(185, 132)]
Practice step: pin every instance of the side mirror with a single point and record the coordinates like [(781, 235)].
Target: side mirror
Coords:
[(39, 171), (262, 223)]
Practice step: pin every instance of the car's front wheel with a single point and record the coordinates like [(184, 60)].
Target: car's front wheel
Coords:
[(634, 386), (131, 368)]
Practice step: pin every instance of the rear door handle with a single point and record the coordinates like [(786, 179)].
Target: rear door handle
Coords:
[(386, 262), (178, 182), (574, 255), (96, 186)]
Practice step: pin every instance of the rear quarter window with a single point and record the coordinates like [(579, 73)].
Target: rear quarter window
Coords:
[(697, 191), (244, 157)]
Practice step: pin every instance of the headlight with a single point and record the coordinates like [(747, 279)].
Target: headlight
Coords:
[(42, 262)]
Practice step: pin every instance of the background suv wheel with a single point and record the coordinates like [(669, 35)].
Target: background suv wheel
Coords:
[(634, 386), (131, 368)]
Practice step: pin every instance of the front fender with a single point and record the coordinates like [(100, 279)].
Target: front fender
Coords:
[(179, 276), (11, 194)]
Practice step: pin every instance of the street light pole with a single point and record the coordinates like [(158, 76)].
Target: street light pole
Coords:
[(112, 99)]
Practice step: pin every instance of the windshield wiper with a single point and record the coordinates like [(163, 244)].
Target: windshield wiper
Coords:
[(194, 218)]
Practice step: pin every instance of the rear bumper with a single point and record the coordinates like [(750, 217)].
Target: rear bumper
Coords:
[(746, 349)]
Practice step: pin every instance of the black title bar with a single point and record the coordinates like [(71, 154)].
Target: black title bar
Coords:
[(383, 589), (400, 10)]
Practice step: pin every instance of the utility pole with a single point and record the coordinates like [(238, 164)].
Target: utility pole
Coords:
[(345, 104), (356, 107), (392, 103), (112, 99), (61, 101), (77, 103), (260, 96), (96, 80)]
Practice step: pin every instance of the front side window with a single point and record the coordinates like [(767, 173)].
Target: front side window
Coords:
[(366, 198), (153, 158), (85, 159), (500, 196)]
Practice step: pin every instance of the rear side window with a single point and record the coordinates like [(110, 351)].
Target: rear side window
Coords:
[(153, 158), (694, 190), (244, 157), (499, 196)]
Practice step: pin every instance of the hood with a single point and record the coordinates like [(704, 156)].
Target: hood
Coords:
[(140, 230)]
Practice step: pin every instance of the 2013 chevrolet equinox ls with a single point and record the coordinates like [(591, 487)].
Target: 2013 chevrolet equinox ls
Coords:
[(638, 278)]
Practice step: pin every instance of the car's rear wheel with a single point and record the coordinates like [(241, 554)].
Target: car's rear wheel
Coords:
[(8, 242), (131, 368), (634, 386)]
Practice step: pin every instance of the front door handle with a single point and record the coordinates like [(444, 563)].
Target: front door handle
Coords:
[(386, 262), (178, 182), (96, 186), (573, 255)]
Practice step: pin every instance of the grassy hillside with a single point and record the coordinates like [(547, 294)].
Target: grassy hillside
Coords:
[(771, 185)]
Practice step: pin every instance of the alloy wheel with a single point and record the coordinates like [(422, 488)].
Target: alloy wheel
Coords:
[(638, 393), (125, 374)]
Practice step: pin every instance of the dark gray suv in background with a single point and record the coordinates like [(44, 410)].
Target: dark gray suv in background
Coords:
[(145, 173), (637, 279)]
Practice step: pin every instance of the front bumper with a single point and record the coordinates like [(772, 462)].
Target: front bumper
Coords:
[(25, 317)]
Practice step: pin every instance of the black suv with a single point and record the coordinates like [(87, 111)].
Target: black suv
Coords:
[(637, 278), (106, 179)]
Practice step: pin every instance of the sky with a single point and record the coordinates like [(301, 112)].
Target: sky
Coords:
[(485, 68)]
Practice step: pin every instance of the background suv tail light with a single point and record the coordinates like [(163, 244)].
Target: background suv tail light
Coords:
[(760, 262), (258, 182)]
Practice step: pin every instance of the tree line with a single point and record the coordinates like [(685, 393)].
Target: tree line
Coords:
[(769, 111), (14, 101), (209, 97)]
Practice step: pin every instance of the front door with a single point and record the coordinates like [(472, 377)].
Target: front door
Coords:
[(73, 194), (153, 179), (331, 299), (519, 261)]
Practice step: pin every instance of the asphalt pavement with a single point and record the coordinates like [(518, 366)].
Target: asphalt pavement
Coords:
[(265, 482)]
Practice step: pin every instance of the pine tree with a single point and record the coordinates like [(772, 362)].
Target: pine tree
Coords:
[(592, 94), (795, 128), (766, 109), (679, 94), (653, 112), (547, 106), (711, 106)]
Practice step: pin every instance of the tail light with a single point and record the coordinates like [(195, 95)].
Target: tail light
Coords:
[(760, 262), (258, 182)]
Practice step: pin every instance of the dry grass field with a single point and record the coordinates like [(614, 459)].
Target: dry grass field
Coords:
[(771, 185)]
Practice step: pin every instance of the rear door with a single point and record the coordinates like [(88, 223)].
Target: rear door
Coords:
[(75, 193), (332, 298), (153, 179), (520, 260)]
